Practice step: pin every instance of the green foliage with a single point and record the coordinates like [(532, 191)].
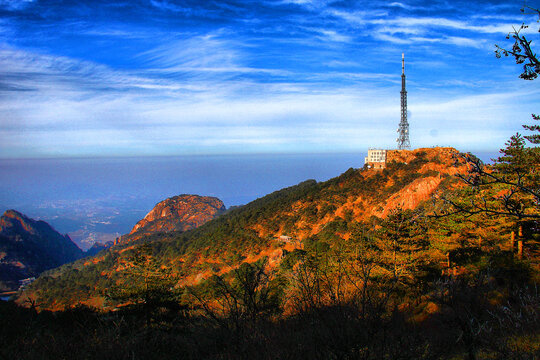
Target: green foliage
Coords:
[(142, 280), (521, 50), (510, 187), (292, 258), (360, 298), (402, 242), (404, 251)]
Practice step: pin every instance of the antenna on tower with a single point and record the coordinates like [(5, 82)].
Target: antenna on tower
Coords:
[(403, 130)]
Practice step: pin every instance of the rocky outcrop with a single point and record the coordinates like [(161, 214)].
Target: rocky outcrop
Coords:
[(410, 196), (178, 213), (29, 247)]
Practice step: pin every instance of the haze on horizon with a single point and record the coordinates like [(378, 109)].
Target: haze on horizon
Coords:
[(164, 77)]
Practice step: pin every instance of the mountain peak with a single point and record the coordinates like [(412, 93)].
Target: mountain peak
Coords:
[(14, 221), (13, 214), (29, 247), (179, 213)]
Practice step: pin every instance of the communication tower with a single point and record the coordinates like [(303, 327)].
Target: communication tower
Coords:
[(403, 130)]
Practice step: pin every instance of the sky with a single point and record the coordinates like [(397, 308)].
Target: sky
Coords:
[(181, 77)]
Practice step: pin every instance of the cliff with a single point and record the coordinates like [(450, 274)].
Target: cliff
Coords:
[(178, 213), (29, 247)]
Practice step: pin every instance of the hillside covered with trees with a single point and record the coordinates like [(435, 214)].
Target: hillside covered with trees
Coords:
[(349, 209), (398, 263), (435, 257)]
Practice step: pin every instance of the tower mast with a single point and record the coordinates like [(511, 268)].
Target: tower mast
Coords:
[(403, 130)]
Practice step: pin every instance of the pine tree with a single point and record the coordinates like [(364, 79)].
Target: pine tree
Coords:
[(143, 283)]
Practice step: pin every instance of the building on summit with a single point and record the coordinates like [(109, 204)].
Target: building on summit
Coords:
[(376, 158)]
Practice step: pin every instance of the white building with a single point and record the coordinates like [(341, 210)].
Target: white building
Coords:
[(285, 238), (376, 158)]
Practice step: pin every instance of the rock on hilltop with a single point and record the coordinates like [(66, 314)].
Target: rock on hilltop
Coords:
[(29, 247), (178, 213)]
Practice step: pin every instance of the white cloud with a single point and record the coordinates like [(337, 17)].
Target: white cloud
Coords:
[(461, 41), (392, 39), (453, 40), (401, 5), (411, 22), (400, 30), (339, 120), (340, 63), (15, 4), (201, 94), (333, 36), (202, 57), (195, 52), (359, 18), (404, 30), (309, 4), (168, 6)]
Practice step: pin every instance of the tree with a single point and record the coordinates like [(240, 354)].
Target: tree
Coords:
[(144, 282), (254, 292), (521, 50), (401, 239), (511, 186), (467, 307)]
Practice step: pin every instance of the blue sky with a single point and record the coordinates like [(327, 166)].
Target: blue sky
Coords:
[(170, 77)]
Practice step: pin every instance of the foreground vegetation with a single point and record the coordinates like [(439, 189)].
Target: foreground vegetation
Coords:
[(336, 305)]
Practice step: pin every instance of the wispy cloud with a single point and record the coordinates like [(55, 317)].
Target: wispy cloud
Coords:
[(453, 40), (37, 72), (135, 122), (359, 17), (169, 6), (331, 35), (168, 77), (430, 22), (408, 6), (15, 4), (205, 51), (310, 4), (204, 57)]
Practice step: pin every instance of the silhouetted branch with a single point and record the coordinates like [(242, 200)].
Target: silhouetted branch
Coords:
[(521, 50)]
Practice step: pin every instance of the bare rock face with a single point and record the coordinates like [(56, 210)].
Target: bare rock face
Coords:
[(179, 213), (411, 196)]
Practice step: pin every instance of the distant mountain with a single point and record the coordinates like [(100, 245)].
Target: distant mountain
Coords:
[(97, 247), (178, 213), (29, 247)]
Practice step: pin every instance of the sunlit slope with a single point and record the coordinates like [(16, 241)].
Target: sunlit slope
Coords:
[(330, 211)]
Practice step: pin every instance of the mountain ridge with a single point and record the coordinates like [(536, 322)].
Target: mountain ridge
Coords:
[(308, 213), (29, 247)]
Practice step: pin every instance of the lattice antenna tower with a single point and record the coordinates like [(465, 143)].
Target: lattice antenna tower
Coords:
[(403, 130)]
